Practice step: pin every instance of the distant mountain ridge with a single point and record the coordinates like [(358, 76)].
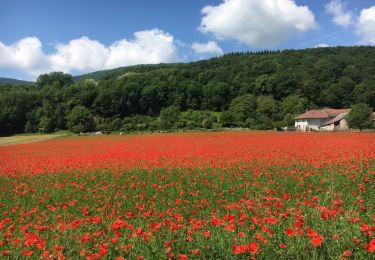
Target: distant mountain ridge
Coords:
[(4, 80), (110, 73)]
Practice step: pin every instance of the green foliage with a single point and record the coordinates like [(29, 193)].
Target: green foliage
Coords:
[(364, 92), (79, 128), (56, 79), (360, 117), (80, 120), (139, 123), (14, 105), (31, 127), (226, 119), (266, 112), (45, 125), (197, 119), (169, 117), (116, 124), (104, 127), (242, 109), (290, 107)]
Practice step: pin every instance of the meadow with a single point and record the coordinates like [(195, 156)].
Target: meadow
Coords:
[(227, 195)]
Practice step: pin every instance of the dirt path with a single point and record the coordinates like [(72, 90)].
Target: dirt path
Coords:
[(21, 139)]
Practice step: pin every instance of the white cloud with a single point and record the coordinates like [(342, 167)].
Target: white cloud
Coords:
[(85, 55), (366, 25), (257, 23), (25, 54), (322, 45), (340, 16), (151, 47), (209, 47), (80, 54)]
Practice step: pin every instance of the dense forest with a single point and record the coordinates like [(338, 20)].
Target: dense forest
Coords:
[(262, 90)]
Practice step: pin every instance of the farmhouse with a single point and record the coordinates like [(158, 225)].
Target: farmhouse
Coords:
[(326, 119)]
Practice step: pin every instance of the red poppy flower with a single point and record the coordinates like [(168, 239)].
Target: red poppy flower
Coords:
[(5, 253), (298, 224), (316, 241), (182, 257), (239, 249), (27, 253), (207, 234), (289, 232), (370, 247), (253, 247)]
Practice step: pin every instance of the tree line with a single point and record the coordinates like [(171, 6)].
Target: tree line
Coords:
[(263, 90)]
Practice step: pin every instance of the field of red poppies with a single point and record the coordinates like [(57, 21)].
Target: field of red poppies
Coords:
[(229, 195)]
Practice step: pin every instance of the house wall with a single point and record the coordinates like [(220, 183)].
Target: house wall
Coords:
[(308, 124), (300, 124), (341, 126), (316, 123), (330, 127), (344, 125)]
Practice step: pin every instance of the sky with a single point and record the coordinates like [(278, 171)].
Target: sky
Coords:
[(81, 36)]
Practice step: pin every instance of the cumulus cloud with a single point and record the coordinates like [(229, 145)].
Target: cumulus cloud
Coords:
[(26, 54), (85, 55), (340, 16), (153, 46), (210, 47), (366, 25), (80, 54), (257, 23)]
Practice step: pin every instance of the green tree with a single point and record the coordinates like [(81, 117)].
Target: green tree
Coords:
[(45, 125), (365, 92), (215, 96), (266, 112), (57, 79), (80, 120), (332, 96), (242, 108), (264, 85), (169, 117), (360, 117), (226, 119), (193, 119), (290, 107), (32, 121), (116, 124), (59, 116), (14, 105)]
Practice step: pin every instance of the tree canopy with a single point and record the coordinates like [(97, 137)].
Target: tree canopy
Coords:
[(360, 117), (79, 120)]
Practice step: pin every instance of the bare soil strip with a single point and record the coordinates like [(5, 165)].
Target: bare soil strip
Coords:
[(11, 140)]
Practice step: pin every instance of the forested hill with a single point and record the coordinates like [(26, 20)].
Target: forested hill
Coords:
[(4, 81), (257, 90), (108, 74)]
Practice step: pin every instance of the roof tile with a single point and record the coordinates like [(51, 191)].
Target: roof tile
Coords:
[(322, 113)]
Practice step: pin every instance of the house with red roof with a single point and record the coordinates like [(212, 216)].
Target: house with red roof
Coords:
[(325, 119)]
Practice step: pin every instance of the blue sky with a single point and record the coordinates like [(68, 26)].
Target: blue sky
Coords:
[(40, 36)]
